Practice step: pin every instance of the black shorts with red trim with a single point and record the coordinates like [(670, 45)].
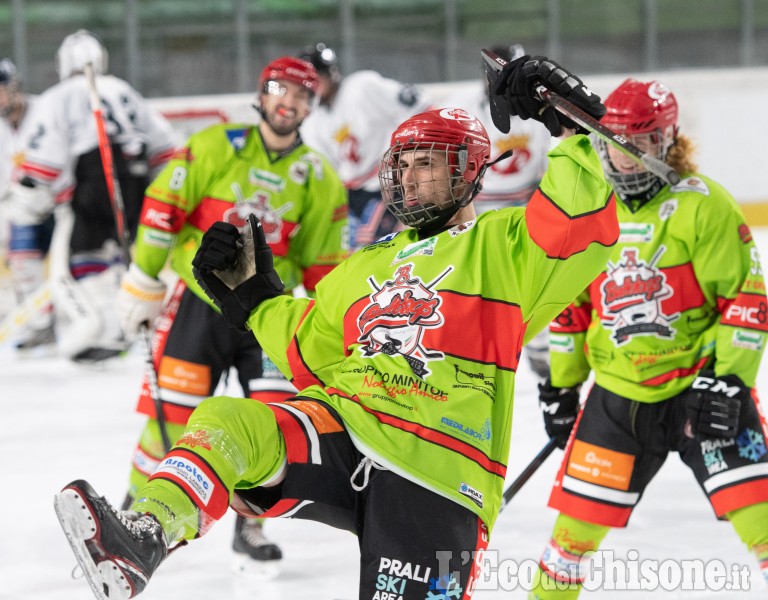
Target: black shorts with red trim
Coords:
[(619, 445), (414, 544), (194, 348)]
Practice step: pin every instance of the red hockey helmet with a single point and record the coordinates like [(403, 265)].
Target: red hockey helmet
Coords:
[(644, 112), (447, 136), (290, 68)]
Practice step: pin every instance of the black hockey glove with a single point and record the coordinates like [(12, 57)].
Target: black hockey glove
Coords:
[(236, 270), (513, 92), (713, 404), (559, 406)]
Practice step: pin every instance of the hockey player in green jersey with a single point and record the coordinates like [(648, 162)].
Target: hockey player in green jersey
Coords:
[(225, 173), (405, 362), (674, 330)]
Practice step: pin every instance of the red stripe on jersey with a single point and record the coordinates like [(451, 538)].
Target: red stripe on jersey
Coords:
[(211, 210), (302, 375), (561, 235), (430, 435), (313, 275), (39, 172), (160, 158), (267, 396), (339, 213), (574, 319), (475, 328), (686, 292), (739, 496), (65, 195), (676, 374), (162, 216), (588, 510), (748, 311), (192, 467)]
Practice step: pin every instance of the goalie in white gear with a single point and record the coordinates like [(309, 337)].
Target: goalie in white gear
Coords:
[(26, 244), (63, 169)]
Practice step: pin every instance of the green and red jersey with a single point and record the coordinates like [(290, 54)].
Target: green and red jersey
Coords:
[(225, 173), (415, 342), (683, 289)]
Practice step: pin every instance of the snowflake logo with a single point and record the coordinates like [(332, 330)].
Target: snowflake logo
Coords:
[(446, 587), (751, 445)]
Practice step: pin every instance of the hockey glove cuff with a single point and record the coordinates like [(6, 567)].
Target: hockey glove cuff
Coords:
[(713, 404), (27, 203), (513, 92), (559, 406), (139, 300), (236, 270)]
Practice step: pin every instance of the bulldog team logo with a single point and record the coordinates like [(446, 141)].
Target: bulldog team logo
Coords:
[(632, 295), (397, 315), (258, 204)]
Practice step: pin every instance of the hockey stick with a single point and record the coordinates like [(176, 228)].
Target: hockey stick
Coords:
[(527, 473), (494, 63), (123, 236)]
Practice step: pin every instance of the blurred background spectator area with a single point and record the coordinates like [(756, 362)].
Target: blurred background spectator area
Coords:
[(192, 47)]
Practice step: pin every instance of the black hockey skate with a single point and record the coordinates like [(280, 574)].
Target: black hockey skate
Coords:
[(256, 555), (118, 551)]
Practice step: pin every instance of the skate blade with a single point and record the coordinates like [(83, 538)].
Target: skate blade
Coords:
[(244, 565), (79, 525)]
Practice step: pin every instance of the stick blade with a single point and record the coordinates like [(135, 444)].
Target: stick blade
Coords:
[(492, 67)]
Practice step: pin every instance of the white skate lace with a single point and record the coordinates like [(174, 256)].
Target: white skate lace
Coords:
[(365, 466), (253, 535), (139, 526)]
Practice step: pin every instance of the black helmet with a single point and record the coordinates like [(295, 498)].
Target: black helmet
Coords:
[(323, 59), (8, 73)]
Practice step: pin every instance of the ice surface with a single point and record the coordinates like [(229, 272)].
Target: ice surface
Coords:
[(62, 422)]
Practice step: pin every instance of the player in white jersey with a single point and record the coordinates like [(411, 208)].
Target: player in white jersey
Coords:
[(511, 182), (62, 168), (352, 125), (26, 244)]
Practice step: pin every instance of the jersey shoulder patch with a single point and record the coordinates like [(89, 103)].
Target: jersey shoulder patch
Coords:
[(691, 184), (238, 136), (382, 240)]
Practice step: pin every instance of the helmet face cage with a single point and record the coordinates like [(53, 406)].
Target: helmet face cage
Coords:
[(430, 172), (79, 49), (645, 113)]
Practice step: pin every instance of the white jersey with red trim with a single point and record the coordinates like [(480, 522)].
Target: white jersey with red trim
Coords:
[(64, 128), (13, 141), (354, 131), (512, 181)]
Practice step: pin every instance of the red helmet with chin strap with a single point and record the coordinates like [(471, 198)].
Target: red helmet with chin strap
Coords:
[(460, 141), (452, 127), (639, 108), (290, 68)]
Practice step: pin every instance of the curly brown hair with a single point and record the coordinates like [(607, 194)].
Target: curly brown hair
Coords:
[(680, 156)]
